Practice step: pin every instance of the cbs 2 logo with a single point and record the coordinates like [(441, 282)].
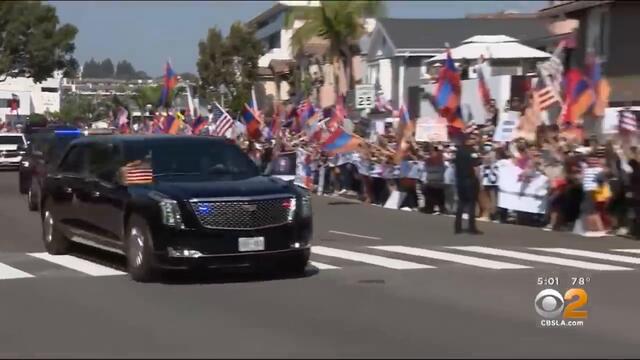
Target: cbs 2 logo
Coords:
[(549, 303)]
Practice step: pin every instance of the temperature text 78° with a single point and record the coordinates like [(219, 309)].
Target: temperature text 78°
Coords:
[(581, 280)]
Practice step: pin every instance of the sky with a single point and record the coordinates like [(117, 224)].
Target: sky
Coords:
[(149, 33)]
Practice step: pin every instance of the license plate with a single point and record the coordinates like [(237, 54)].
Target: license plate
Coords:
[(251, 243)]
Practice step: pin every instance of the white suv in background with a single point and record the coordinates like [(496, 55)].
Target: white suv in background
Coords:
[(12, 148)]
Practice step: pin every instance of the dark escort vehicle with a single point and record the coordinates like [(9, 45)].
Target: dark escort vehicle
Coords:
[(174, 202)]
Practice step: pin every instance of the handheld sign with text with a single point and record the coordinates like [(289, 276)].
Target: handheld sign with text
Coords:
[(506, 127), (431, 130)]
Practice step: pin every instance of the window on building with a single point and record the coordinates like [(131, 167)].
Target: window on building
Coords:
[(6, 103), (373, 75), (49, 89), (274, 41)]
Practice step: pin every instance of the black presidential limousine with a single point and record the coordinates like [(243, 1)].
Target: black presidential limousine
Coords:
[(174, 202)]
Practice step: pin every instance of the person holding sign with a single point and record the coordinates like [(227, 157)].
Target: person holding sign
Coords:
[(467, 163)]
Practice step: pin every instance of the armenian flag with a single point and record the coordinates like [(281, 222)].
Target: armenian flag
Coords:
[(172, 124), (600, 86), (170, 82), (580, 96), (341, 141), (448, 94), (199, 124), (276, 122), (251, 121)]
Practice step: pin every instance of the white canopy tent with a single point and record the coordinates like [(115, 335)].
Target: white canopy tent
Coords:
[(492, 47)]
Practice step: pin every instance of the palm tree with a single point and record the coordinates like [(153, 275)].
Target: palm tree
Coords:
[(341, 23), (147, 95)]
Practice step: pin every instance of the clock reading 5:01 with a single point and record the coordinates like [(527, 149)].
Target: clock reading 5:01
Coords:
[(548, 281)]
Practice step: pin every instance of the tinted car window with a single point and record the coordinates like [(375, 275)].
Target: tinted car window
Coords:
[(54, 145), (74, 161), (284, 164), (11, 140), (193, 160), (104, 161)]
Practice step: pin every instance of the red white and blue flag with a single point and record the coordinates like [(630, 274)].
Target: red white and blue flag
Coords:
[(170, 81), (223, 121), (448, 95)]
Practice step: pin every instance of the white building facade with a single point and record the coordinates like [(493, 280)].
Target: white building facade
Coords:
[(34, 98)]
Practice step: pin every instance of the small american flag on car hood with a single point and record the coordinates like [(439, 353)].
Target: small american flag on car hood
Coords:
[(137, 172)]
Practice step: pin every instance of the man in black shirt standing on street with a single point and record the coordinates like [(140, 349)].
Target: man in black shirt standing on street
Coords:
[(467, 162)]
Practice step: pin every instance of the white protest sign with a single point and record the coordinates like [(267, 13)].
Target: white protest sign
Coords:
[(514, 194), (395, 200), (431, 130), (507, 126)]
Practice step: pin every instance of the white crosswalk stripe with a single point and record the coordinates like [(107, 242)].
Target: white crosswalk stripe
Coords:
[(540, 258), (367, 258), (632, 251), (592, 254), (462, 259), (8, 272), (561, 257), (322, 266), (78, 264)]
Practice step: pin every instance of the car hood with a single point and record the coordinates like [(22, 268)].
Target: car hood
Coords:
[(252, 187)]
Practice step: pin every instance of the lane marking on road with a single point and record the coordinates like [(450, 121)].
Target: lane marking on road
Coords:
[(462, 259), (78, 264), (322, 266), (8, 272), (540, 258), (592, 254), (632, 251), (369, 259), (355, 235)]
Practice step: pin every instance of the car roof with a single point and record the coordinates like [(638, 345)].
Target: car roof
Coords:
[(123, 139)]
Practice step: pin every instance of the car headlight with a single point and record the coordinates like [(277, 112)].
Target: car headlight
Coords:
[(169, 209), (305, 207)]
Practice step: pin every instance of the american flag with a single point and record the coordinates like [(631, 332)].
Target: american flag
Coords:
[(546, 98), (223, 121), (628, 121), (138, 173)]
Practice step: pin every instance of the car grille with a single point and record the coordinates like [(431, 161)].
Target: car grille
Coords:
[(9, 153), (242, 215)]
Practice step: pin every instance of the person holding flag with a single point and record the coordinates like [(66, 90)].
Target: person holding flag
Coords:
[(252, 121), (448, 96), (170, 81), (467, 163)]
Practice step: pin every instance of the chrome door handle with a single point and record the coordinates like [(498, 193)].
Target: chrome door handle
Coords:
[(68, 190), (95, 194)]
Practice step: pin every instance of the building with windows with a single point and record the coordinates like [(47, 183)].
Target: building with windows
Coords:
[(274, 66), (607, 29), (33, 98), (400, 50)]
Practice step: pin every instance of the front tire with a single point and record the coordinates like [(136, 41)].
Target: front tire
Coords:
[(33, 197), (297, 264), (55, 242), (139, 250)]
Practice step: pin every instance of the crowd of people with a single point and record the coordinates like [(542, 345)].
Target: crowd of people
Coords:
[(595, 182)]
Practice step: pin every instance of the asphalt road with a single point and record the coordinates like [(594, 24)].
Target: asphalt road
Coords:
[(476, 300)]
